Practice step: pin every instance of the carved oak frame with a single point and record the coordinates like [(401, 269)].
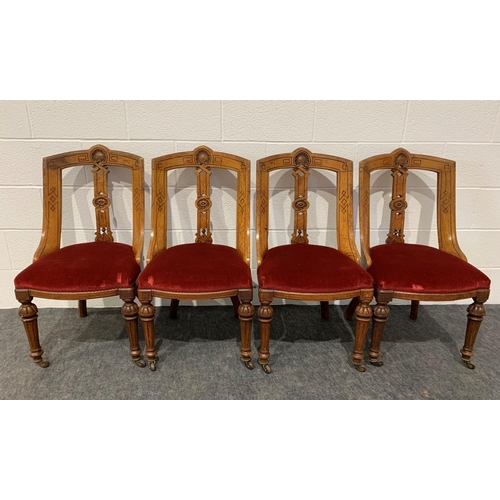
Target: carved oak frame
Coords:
[(101, 158), (203, 159), (302, 161), (401, 162)]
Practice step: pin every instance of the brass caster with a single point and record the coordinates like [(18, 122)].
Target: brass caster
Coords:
[(469, 364), (266, 368), (42, 363), (376, 362), (152, 365), (139, 362), (248, 363), (361, 368)]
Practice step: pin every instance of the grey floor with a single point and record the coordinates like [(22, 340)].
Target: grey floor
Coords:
[(198, 357)]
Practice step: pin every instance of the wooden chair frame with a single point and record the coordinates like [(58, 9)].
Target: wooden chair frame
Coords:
[(203, 159), (401, 162), (302, 161), (101, 158)]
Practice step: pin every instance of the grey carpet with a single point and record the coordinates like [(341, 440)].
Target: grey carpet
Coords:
[(198, 357)]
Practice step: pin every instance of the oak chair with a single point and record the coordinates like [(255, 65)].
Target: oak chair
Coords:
[(303, 271), (412, 271), (102, 268), (201, 270)]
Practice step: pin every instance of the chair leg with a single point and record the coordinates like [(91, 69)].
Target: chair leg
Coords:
[(414, 309), (28, 313), (82, 308), (174, 304), (351, 308), (147, 315), (380, 315), (363, 316), (236, 304), (325, 309), (265, 314), (245, 313), (130, 314), (476, 314)]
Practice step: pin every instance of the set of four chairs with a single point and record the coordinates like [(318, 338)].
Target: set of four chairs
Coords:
[(207, 270)]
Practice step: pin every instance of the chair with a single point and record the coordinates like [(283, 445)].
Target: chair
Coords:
[(201, 270), (83, 271), (304, 271), (412, 271)]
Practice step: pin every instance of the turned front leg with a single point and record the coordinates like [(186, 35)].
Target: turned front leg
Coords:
[(245, 313), (130, 314), (363, 313), (29, 316), (147, 315), (380, 315), (265, 315), (476, 314)]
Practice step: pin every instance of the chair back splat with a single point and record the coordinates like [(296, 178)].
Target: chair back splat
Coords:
[(412, 271), (302, 270), (203, 269), (90, 270)]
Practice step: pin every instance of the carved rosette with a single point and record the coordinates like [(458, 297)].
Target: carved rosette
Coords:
[(302, 159), (300, 204), (203, 157), (203, 203), (398, 205), (101, 202)]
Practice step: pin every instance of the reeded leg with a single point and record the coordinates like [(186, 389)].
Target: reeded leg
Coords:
[(174, 304), (147, 315), (349, 312), (476, 314), (130, 314), (363, 316), (236, 304), (245, 313), (414, 309), (265, 314), (28, 313), (82, 308), (380, 315), (325, 309)]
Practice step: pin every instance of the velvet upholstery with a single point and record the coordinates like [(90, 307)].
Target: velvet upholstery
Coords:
[(305, 268), (84, 267), (406, 267), (196, 268)]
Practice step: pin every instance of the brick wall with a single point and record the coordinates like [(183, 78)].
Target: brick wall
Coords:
[(465, 131)]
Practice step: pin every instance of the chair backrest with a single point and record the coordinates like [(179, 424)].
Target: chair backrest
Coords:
[(203, 160), (102, 159), (400, 162), (300, 162)]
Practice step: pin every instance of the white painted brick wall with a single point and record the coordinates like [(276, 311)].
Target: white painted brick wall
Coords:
[(465, 131)]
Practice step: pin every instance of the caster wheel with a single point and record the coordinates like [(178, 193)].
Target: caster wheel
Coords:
[(42, 363), (469, 364), (377, 362), (248, 363), (360, 368), (267, 369), (152, 365), (140, 362)]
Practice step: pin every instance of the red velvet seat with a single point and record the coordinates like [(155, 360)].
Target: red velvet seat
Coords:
[(409, 267), (311, 269), (196, 268), (84, 267)]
